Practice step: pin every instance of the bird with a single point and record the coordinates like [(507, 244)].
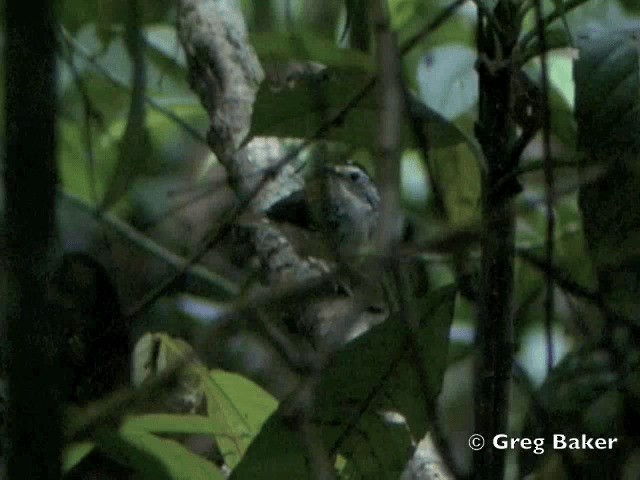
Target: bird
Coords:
[(337, 213), (341, 201)]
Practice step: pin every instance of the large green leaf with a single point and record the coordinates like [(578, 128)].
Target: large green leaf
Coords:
[(172, 423), (245, 407), (236, 408), (608, 116), (300, 111), (372, 377), (156, 458)]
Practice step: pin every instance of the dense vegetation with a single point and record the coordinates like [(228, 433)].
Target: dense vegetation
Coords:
[(502, 137)]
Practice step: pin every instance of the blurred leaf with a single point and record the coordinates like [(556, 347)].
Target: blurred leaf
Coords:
[(245, 407), (563, 125), (447, 79), (135, 148), (580, 396), (169, 423), (355, 407), (552, 468), (135, 143), (248, 400), (72, 163), (156, 458), (555, 37), (75, 453), (357, 23), (163, 40), (570, 254), (109, 13), (609, 134), (409, 17), (442, 133), (631, 6), (459, 177), (604, 413), (280, 47), (236, 407), (608, 62), (296, 112)]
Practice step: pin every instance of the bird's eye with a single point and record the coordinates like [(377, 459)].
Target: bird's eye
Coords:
[(355, 176)]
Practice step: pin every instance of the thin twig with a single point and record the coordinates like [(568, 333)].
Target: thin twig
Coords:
[(548, 184), (428, 29), (548, 20), (393, 102), (143, 242), (80, 50)]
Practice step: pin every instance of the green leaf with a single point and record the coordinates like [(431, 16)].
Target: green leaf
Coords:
[(300, 111), (135, 143), (108, 14), (555, 37), (134, 150), (73, 167), (631, 6), (580, 396), (459, 178), (355, 407), (357, 21), (563, 125), (236, 407), (279, 47), (233, 442), (608, 62), (609, 135), (75, 453), (156, 458), (409, 17), (171, 423), (245, 407), (165, 52)]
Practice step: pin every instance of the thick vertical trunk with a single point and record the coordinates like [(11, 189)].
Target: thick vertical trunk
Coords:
[(30, 182), (494, 345)]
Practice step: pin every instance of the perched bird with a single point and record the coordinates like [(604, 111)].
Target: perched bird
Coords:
[(337, 214), (343, 203)]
